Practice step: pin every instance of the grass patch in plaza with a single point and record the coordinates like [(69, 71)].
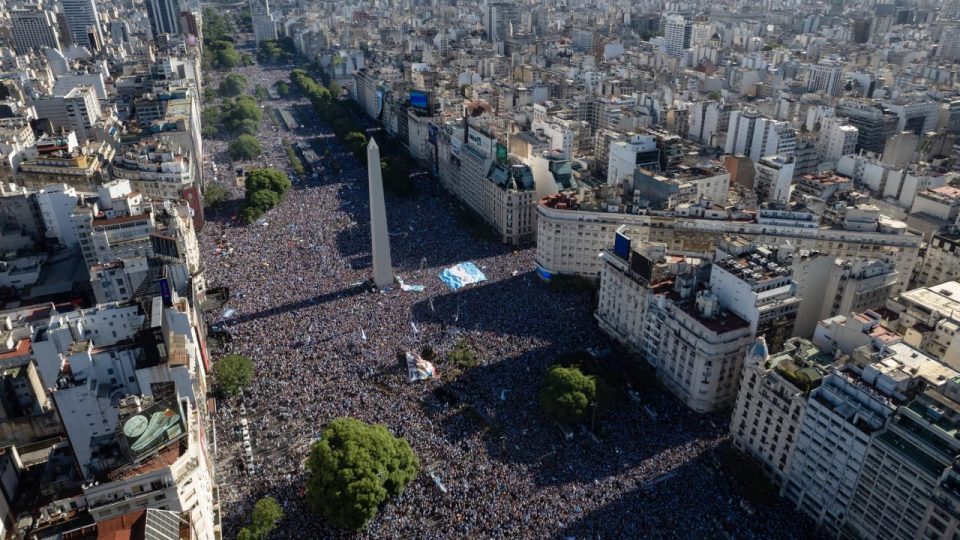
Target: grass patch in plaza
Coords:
[(295, 161), (461, 358)]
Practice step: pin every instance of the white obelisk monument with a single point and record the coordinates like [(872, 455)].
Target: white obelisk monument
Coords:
[(379, 238)]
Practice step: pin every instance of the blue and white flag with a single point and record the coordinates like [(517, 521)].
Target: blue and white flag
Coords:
[(461, 275)]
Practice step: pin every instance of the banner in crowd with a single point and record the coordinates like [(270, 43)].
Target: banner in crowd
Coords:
[(461, 275)]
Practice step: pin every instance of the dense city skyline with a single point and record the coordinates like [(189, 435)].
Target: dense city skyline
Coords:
[(479, 269)]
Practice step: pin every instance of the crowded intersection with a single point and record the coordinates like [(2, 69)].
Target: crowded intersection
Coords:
[(325, 346)]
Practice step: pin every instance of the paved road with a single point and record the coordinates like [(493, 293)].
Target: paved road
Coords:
[(325, 349)]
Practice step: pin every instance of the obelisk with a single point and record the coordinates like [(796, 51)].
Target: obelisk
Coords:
[(379, 238)]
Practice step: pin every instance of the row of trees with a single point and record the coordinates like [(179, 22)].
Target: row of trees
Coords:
[(265, 189), (341, 117)]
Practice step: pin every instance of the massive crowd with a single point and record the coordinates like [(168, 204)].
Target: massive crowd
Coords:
[(492, 466)]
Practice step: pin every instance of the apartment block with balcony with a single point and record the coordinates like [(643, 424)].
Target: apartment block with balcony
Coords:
[(657, 302), (765, 424)]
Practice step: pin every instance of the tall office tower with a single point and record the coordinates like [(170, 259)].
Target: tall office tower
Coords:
[(264, 25), (676, 33), (33, 27), (825, 78), (499, 17), (66, 39), (874, 124), (164, 17), (949, 46), (379, 237), (83, 20)]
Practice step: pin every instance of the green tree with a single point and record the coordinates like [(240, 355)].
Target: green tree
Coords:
[(283, 88), (233, 373), (246, 534), (211, 119), (270, 179), (354, 469), (233, 84), (215, 26), (236, 111), (245, 148), (214, 194), (266, 514), (357, 142), (334, 88), (264, 199), (224, 55), (250, 214), (567, 393), (260, 92)]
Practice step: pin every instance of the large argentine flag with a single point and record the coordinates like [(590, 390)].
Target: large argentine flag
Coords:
[(461, 275)]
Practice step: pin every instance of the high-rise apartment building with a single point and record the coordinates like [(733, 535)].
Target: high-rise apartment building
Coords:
[(676, 34), (756, 282), (264, 24), (774, 176), (874, 124), (33, 27), (501, 16), (826, 78), (756, 136), (765, 423), (949, 46), (164, 17), (837, 139)]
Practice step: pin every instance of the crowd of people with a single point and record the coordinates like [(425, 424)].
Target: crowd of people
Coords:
[(325, 346)]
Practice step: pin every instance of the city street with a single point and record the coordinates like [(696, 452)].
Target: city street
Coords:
[(325, 348)]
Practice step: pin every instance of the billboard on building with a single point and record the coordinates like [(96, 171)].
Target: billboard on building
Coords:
[(501, 153), (153, 427), (420, 100)]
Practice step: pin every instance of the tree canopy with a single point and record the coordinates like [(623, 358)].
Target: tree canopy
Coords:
[(233, 84), (567, 393), (264, 190), (276, 51), (214, 194), (271, 179), (221, 54), (233, 373), (355, 468), (245, 147), (263, 520)]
